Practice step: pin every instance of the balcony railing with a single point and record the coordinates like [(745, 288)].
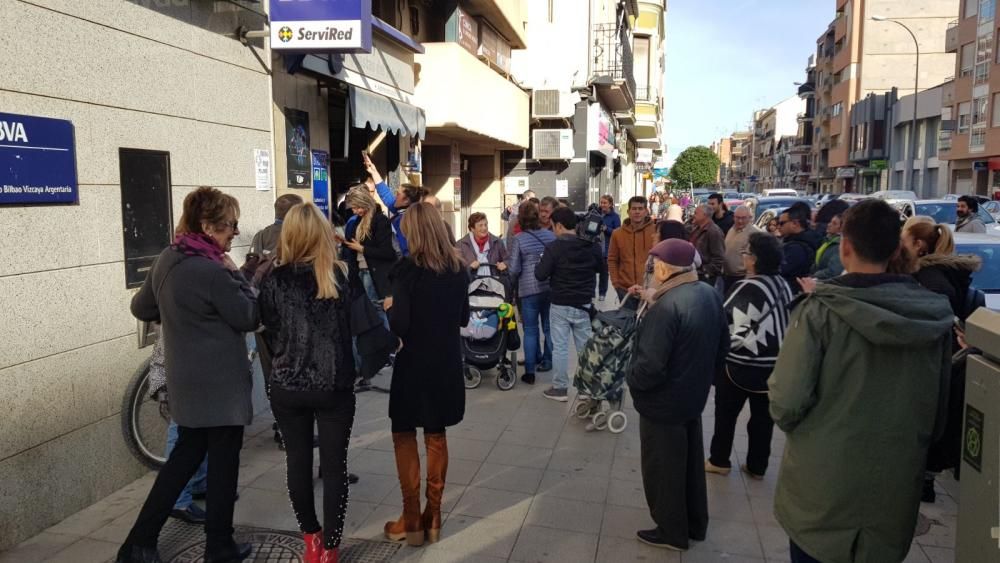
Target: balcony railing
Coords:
[(612, 55), (642, 94)]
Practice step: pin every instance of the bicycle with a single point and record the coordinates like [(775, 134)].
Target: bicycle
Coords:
[(145, 413)]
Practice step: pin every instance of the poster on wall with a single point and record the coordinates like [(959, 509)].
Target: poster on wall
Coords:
[(327, 26), (262, 169), (37, 160), (297, 148), (321, 181)]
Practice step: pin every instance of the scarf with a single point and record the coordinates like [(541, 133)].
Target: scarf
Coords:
[(963, 220), (676, 280), (198, 244), (481, 242)]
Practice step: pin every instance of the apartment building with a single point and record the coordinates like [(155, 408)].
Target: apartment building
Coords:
[(723, 149), (970, 135), (738, 172), (857, 56), (930, 171), (802, 150), (595, 73), (870, 142), (770, 126)]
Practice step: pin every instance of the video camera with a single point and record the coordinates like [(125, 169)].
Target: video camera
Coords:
[(590, 225)]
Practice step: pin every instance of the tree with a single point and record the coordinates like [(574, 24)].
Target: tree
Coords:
[(697, 165)]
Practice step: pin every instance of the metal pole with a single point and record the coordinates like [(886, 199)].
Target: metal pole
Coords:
[(910, 167)]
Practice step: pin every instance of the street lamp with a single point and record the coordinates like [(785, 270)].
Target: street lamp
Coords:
[(916, 86)]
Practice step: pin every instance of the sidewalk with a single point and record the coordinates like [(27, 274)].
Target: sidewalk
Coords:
[(526, 482)]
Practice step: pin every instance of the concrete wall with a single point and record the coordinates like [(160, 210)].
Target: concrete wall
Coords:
[(129, 77)]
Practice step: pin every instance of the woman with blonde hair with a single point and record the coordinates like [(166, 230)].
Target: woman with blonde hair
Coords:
[(368, 248), (304, 308), (940, 270), (428, 308)]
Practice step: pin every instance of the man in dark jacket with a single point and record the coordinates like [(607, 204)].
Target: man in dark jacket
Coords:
[(681, 342), (569, 264), (710, 242), (799, 243), (721, 215)]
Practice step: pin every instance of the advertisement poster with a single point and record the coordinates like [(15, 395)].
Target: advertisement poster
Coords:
[(321, 181), (330, 25), (297, 148), (37, 160), (262, 169)]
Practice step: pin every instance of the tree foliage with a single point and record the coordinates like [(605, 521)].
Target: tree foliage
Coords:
[(696, 164)]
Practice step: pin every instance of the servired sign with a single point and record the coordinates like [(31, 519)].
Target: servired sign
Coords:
[(316, 26)]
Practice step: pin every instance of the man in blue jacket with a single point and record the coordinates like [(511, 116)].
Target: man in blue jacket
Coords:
[(396, 203), (611, 221)]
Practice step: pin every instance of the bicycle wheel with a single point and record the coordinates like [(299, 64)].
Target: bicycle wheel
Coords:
[(144, 421)]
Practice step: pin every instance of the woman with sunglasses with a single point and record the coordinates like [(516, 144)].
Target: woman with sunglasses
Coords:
[(757, 309)]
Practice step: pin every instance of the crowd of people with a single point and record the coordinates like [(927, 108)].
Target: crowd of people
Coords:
[(836, 327)]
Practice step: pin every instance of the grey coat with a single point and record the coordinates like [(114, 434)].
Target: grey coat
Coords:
[(203, 310)]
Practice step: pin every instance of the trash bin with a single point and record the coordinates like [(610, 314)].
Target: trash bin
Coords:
[(979, 496)]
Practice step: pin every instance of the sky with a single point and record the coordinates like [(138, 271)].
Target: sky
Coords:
[(725, 58)]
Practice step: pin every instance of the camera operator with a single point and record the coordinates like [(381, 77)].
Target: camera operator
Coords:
[(569, 264)]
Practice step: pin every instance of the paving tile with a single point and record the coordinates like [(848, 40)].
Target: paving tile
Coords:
[(917, 555), (593, 464), (628, 446), (628, 493), (251, 469), (618, 550), (520, 456), (731, 506), (564, 484), (462, 471), (624, 522), (565, 514), (698, 555), (118, 529), (38, 547), (476, 431), (434, 555), (265, 509), (774, 540), (87, 549), (939, 554), (490, 503), (464, 448), (452, 494), (476, 537), (540, 545), (731, 537), (626, 468), (374, 461), (373, 526), (763, 511), (274, 479), (540, 437), (374, 488), (93, 518), (508, 478), (941, 534)]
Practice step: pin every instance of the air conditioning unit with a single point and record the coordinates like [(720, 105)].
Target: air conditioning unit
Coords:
[(552, 144), (552, 104)]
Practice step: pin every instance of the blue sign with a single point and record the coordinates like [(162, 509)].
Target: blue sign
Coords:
[(37, 160), (321, 26), (321, 181)]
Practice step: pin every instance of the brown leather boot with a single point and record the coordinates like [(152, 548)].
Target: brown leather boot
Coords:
[(409, 526), (437, 471)]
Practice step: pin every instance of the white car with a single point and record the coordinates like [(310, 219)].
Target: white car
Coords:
[(787, 192)]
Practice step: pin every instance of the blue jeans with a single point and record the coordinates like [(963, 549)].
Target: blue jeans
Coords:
[(567, 322), (535, 308), (197, 484), (799, 556)]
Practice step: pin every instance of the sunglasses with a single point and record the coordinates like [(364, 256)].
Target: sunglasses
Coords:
[(781, 223), (234, 225)]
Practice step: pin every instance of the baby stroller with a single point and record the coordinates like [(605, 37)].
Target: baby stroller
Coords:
[(600, 375), (491, 339)]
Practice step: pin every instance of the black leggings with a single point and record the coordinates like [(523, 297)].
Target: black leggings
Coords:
[(333, 412)]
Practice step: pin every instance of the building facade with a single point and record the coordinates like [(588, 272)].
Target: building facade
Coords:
[(929, 171), (870, 140), (161, 101), (770, 126), (857, 56), (970, 136)]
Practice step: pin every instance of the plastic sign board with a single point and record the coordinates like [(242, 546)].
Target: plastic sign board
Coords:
[(321, 181), (315, 26), (37, 160)]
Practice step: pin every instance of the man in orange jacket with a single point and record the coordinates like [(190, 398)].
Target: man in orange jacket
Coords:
[(630, 246)]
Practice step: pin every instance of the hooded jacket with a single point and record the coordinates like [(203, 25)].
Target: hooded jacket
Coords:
[(948, 275), (828, 264), (570, 265), (627, 253), (862, 375), (800, 255)]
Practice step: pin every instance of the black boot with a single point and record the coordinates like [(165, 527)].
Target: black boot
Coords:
[(135, 554), (232, 553), (928, 495)]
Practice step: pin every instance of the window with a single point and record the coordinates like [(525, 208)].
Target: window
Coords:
[(385, 10), (921, 135), (987, 9), (968, 59), (971, 7), (996, 110), (146, 209), (878, 135), (978, 139), (984, 56), (641, 65), (979, 111), (964, 109), (837, 108)]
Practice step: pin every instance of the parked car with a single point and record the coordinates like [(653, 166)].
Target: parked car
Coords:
[(992, 207), (895, 195), (767, 208), (786, 192), (824, 199), (987, 279), (946, 211)]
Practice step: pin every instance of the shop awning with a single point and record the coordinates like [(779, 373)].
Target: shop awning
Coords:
[(376, 111)]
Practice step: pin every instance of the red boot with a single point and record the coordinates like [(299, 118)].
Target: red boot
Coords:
[(330, 556), (314, 547)]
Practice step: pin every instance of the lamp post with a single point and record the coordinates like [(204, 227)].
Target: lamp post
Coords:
[(913, 122)]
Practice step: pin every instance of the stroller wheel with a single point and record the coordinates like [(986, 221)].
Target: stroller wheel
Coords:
[(473, 377), (582, 408), (617, 421), (599, 420), (506, 378)]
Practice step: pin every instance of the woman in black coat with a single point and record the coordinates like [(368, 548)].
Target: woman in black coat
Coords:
[(368, 248), (429, 306)]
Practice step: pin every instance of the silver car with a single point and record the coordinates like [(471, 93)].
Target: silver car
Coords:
[(987, 279)]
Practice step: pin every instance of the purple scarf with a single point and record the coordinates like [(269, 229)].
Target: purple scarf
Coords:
[(198, 244)]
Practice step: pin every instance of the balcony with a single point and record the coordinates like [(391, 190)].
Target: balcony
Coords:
[(505, 15), (612, 67), (483, 107), (648, 125), (804, 118), (951, 38), (807, 90)]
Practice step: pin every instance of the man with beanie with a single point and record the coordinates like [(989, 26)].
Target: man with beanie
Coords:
[(569, 264), (681, 342)]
